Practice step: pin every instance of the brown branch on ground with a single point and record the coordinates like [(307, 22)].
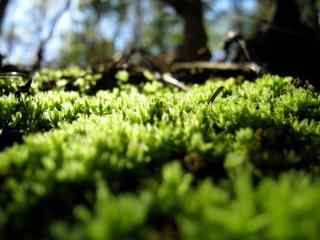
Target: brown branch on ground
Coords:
[(167, 78), (136, 62), (244, 67), (200, 72)]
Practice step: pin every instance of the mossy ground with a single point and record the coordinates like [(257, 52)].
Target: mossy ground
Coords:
[(152, 162)]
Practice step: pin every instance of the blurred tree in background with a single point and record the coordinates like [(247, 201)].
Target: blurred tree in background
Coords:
[(88, 32), (290, 42), (3, 7)]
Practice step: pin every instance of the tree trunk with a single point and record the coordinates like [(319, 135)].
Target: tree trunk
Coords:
[(137, 34), (287, 14), (3, 7), (289, 45), (195, 42), (238, 11), (311, 14)]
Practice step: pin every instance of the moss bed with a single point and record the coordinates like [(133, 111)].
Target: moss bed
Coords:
[(150, 162)]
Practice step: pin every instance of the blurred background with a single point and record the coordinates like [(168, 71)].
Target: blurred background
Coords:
[(59, 33)]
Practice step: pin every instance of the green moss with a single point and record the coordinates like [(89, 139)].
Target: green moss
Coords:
[(151, 162)]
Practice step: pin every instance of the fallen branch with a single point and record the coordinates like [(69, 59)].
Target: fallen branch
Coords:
[(244, 67), (168, 79)]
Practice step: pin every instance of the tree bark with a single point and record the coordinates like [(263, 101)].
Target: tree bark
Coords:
[(311, 14), (287, 14), (289, 45), (195, 40)]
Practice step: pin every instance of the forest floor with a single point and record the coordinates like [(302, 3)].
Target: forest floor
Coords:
[(83, 158)]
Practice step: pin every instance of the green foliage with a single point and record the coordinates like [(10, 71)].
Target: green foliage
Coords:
[(70, 79), (10, 84), (150, 162), (83, 49)]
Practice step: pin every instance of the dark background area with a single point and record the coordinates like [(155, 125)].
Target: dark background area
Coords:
[(281, 36)]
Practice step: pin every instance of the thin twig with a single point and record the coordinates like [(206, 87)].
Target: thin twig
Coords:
[(168, 79), (215, 94)]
